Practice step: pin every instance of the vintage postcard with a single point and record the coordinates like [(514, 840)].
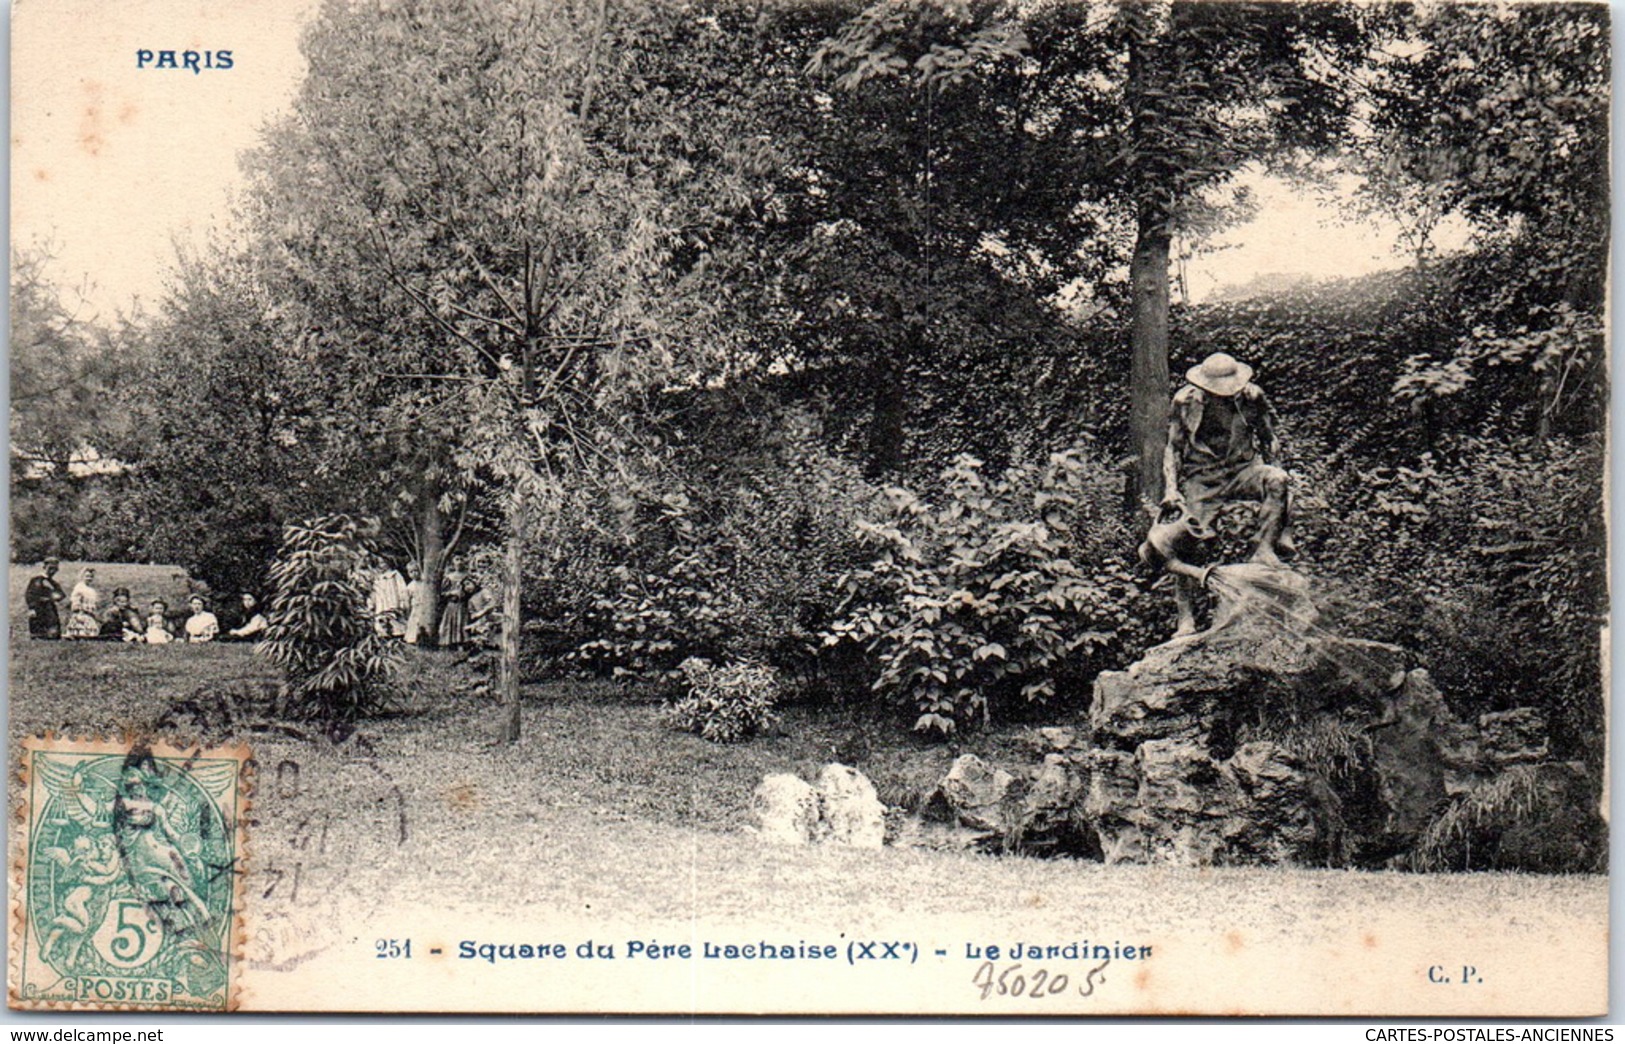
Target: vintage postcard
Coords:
[(789, 507)]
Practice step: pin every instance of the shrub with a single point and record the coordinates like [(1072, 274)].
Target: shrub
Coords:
[(724, 704), (320, 631), (1521, 820), (745, 565), (655, 615), (1004, 593)]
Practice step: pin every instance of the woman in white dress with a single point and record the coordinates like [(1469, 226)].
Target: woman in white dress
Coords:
[(202, 625), (159, 631), (390, 601), (83, 601), (418, 623)]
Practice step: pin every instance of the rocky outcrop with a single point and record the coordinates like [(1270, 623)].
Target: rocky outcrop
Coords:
[(1269, 739)]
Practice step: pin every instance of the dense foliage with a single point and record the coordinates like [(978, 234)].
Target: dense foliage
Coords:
[(734, 558), (646, 304), (999, 594)]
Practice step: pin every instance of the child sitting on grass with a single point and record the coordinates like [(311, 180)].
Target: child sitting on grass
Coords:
[(159, 630)]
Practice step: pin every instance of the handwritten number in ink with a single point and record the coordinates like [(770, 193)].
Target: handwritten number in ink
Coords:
[(1038, 984)]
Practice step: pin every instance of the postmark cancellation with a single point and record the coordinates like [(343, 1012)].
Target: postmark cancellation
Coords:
[(127, 875)]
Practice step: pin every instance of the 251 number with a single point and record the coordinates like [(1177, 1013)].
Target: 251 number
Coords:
[(393, 949)]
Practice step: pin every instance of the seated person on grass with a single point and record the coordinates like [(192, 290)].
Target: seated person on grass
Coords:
[(123, 622), (159, 630), (254, 624), (202, 625)]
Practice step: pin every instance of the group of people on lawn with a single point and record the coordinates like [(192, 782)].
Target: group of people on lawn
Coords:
[(122, 621), (400, 610)]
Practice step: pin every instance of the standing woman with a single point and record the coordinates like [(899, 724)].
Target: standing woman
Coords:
[(42, 596), (83, 601), (418, 623), (390, 600), (454, 608), (481, 607)]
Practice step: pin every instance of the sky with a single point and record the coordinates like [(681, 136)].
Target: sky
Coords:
[(113, 165), (1301, 232)]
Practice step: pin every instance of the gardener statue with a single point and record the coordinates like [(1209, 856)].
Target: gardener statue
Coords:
[(1221, 447)]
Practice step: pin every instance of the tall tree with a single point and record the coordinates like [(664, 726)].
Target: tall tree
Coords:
[(223, 439), (66, 368), (507, 183), (1039, 122), (944, 217), (1500, 116)]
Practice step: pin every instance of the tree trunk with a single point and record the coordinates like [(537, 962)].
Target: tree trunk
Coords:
[(1147, 25), (889, 419), (1148, 336), (508, 656), (431, 545), (888, 423)]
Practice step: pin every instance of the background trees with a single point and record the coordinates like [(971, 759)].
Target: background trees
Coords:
[(222, 427), (65, 370), (487, 203), (1504, 120), (646, 306)]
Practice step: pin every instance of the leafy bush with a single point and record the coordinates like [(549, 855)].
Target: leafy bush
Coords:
[(1005, 593), (725, 704), (1518, 821), (320, 631), (746, 565)]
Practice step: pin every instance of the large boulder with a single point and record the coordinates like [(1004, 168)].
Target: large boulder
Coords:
[(1053, 817), (977, 795), (1266, 656), (786, 810), (843, 809), (852, 812), (1270, 739), (1171, 801)]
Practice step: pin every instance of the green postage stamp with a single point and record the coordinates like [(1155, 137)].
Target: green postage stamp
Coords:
[(127, 876)]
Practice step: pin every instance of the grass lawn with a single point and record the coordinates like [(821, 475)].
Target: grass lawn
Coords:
[(600, 816)]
